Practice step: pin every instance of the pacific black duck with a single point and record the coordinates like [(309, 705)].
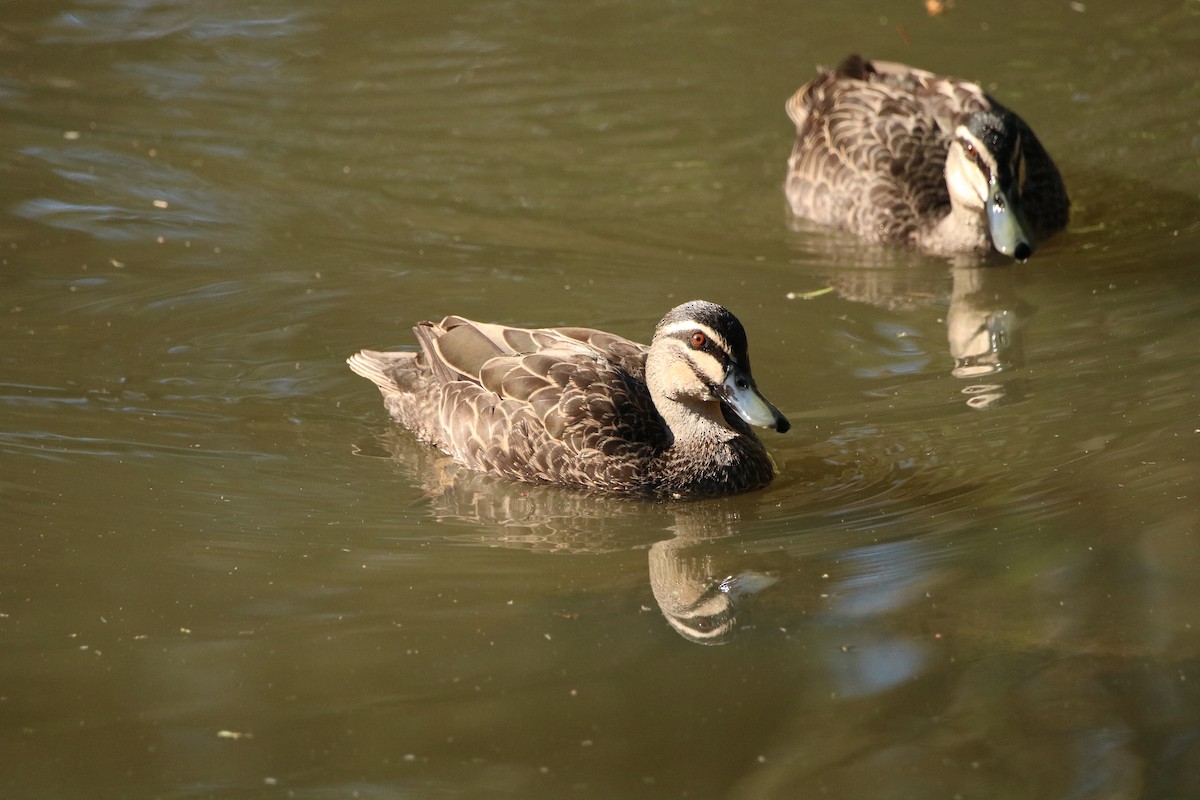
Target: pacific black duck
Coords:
[(585, 408), (894, 153)]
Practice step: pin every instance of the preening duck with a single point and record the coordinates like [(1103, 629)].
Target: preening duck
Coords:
[(899, 154)]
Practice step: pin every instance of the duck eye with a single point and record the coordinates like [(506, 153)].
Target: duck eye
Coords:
[(699, 340), (969, 151)]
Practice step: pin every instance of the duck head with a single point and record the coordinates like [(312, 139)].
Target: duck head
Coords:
[(699, 358), (985, 172)]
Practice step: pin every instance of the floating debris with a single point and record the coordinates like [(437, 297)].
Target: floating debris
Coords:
[(234, 735), (809, 295)]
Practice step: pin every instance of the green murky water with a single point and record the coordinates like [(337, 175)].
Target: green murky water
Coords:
[(223, 574)]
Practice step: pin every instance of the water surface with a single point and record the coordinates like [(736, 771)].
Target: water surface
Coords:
[(225, 574)]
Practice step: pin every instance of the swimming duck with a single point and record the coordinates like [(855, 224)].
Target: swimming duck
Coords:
[(894, 153), (585, 408)]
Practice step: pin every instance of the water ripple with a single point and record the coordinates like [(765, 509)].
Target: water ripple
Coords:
[(151, 20)]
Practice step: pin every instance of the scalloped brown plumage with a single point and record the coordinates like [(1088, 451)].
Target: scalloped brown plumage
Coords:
[(870, 157), (572, 405)]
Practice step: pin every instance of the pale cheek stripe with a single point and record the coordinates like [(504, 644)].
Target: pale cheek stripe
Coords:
[(686, 326), (985, 155), (700, 364)]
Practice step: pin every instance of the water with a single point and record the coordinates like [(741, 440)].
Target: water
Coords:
[(225, 575)]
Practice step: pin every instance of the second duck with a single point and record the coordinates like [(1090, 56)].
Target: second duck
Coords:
[(894, 153)]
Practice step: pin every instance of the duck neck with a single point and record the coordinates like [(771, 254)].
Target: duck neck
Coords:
[(710, 454), (963, 229), (696, 425)]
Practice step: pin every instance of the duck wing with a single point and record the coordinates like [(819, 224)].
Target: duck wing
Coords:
[(871, 142), (942, 98), (556, 404), (948, 101)]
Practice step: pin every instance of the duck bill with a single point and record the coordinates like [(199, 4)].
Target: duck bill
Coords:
[(1010, 232), (740, 394)]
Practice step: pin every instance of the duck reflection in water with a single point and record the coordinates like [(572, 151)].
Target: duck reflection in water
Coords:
[(985, 317), (698, 577), (696, 583), (985, 325)]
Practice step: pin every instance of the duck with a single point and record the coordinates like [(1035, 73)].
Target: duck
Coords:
[(587, 409), (898, 154)]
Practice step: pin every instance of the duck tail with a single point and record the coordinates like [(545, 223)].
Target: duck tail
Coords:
[(856, 67), (380, 368)]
